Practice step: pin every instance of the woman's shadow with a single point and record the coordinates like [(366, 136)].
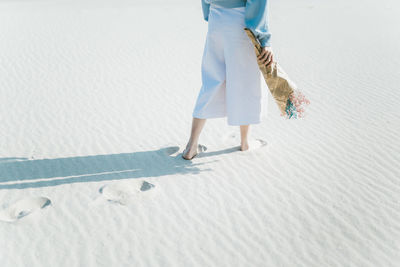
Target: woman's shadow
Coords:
[(19, 173)]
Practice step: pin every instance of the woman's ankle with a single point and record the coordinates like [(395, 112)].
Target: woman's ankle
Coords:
[(244, 145), (191, 145)]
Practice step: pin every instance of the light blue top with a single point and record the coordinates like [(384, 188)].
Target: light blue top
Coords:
[(256, 16)]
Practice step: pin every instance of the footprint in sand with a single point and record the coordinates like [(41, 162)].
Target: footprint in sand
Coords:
[(23, 208), (125, 192), (202, 148)]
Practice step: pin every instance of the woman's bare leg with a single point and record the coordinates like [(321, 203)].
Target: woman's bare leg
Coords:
[(191, 147), (244, 131)]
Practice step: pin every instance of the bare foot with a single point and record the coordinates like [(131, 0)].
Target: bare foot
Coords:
[(192, 150), (244, 146), (189, 152)]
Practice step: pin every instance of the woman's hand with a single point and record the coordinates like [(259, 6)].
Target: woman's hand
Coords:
[(266, 57)]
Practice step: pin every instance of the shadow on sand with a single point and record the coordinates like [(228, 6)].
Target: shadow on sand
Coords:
[(19, 173)]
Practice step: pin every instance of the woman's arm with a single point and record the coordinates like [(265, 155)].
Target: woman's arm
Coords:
[(206, 9), (257, 20)]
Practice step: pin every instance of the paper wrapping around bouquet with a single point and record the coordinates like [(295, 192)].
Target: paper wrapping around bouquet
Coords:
[(279, 84), (282, 89)]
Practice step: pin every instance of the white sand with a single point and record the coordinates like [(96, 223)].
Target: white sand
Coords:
[(96, 98)]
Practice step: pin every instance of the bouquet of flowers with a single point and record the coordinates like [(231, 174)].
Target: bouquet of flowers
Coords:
[(290, 100)]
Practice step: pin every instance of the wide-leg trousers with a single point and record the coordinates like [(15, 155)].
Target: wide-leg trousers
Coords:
[(232, 84)]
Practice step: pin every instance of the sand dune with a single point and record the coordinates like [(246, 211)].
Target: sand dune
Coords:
[(95, 111)]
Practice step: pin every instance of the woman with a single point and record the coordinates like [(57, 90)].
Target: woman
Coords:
[(231, 77)]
